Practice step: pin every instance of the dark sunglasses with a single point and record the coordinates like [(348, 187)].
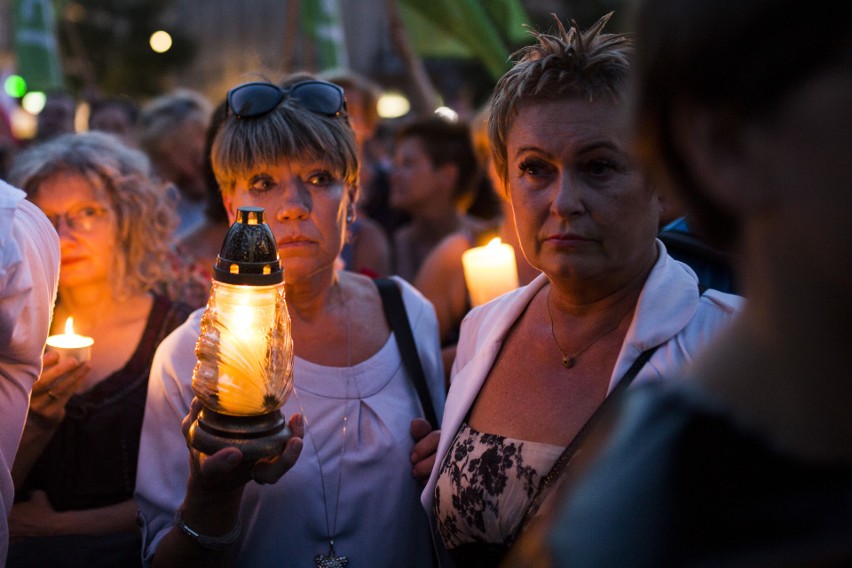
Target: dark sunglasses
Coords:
[(251, 100)]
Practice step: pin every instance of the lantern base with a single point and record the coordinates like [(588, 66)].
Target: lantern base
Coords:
[(257, 437)]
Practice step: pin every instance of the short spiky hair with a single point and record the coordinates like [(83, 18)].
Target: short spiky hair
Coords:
[(569, 64)]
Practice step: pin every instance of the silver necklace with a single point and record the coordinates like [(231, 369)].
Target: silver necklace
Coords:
[(331, 559), (568, 361)]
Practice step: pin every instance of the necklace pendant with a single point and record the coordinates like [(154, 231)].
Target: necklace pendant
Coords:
[(331, 560), (568, 361)]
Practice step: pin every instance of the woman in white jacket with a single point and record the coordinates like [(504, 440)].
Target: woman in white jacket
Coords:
[(610, 307)]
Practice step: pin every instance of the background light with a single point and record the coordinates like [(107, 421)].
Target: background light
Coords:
[(447, 114), (15, 86), (393, 105), (160, 41), (33, 102)]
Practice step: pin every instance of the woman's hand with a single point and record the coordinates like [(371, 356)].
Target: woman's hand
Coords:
[(425, 448), (57, 383), (226, 471)]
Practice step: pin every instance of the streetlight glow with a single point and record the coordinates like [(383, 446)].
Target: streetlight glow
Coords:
[(160, 41)]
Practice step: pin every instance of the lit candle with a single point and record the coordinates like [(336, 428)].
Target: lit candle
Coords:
[(69, 344), (246, 318), (489, 271)]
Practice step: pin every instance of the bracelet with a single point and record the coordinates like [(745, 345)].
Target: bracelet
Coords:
[(209, 542)]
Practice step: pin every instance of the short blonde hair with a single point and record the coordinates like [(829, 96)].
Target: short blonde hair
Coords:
[(586, 65), (288, 131), (145, 212)]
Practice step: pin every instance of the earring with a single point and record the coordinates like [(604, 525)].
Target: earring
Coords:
[(350, 215)]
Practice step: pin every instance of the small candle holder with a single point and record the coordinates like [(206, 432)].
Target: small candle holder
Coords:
[(70, 345)]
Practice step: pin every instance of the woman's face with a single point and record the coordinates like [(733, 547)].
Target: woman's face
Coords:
[(306, 206), (582, 211), (83, 217)]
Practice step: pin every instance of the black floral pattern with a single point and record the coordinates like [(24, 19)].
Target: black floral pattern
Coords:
[(484, 487)]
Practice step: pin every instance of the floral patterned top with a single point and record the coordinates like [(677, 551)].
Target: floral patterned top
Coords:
[(486, 484)]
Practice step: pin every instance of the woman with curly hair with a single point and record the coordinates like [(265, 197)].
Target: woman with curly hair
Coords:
[(76, 467)]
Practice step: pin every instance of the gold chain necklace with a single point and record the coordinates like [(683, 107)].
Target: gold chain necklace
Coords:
[(568, 361)]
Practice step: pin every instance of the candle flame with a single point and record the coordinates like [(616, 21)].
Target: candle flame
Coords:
[(69, 326), (495, 242)]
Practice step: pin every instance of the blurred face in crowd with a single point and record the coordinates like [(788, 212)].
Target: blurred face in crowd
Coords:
[(306, 203), (582, 210), (57, 116), (180, 160), (114, 120), (415, 181), (83, 217)]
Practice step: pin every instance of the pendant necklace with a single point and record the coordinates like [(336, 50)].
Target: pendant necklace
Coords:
[(331, 559), (568, 361)]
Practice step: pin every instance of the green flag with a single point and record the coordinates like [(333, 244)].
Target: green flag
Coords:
[(36, 46), (486, 30), (322, 21)]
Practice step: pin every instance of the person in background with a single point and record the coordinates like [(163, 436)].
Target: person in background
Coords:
[(353, 493), (196, 252), (434, 172), (610, 309), (29, 273), (748, 460), (172, 130), (441, 278), (57, 116), (368, 249), (76, 466), (115, 115)]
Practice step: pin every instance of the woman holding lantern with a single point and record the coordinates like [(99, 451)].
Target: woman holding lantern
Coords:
[(610, 307), (353, 495), (76, 466)]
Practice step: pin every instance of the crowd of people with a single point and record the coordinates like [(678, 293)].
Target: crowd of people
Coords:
[(666, 386)]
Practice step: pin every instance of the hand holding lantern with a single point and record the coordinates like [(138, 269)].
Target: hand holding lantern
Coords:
[(244, 372)]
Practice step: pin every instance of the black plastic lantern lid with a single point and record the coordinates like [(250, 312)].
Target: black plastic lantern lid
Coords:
[(249, 255)]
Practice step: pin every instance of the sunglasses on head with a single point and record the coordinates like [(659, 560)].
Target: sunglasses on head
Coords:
[(251, 100)]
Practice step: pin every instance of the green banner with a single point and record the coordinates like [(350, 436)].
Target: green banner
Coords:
[(323, 23), (487, 30), (36, 46)]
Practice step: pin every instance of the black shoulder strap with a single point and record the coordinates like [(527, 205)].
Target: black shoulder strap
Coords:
[(398, 321), (567, 454)]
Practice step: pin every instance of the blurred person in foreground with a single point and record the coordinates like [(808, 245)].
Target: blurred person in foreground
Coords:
[(29, 273), (748, 462), (76, 467), (610, 309), (354, 492)]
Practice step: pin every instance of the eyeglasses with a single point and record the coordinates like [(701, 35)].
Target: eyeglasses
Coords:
[(82, 220), (251, 100)]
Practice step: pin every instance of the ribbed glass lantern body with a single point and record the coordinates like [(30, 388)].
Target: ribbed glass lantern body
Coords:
[(245, 350)]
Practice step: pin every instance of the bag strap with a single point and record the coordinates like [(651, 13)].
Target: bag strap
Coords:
[(399, 324), (567, 454)]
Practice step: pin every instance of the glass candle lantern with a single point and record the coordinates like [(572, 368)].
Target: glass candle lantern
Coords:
[(244, 372)]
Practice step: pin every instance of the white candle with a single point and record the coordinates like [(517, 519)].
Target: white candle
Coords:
[(69, 344), (489, 271)]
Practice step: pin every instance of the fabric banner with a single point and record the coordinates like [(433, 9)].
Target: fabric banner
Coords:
[(322, 22), (488, 31), (36, 47)]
